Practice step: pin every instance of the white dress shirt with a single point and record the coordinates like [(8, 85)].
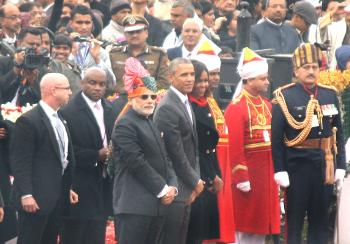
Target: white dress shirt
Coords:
[(97, 111), (51, 114)]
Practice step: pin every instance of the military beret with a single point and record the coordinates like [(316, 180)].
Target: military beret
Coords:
[(134, 22)]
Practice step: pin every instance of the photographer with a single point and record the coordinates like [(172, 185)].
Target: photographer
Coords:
[(19, 76), (87, 52)]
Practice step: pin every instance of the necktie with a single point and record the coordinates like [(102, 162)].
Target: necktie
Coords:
[(188, 108), (61, 144)]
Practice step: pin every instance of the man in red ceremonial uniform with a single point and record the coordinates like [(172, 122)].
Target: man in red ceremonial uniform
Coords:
[(248, 117)]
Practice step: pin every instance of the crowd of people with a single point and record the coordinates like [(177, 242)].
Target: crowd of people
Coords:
[(126, 123)]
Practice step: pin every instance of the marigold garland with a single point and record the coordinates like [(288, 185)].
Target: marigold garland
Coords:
[(340, 80)]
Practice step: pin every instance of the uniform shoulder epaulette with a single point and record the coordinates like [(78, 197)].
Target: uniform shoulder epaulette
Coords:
[(237, 99), (117, 49), (328, 87), (284, 87), (160, 49)]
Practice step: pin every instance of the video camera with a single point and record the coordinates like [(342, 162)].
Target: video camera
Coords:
[(32, 60), (82, 39)]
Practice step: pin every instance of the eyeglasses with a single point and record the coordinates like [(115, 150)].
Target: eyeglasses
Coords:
[(63, 88), (145, 97)]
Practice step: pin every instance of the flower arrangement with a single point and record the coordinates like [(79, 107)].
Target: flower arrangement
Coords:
[(12, 112), (340, 80)]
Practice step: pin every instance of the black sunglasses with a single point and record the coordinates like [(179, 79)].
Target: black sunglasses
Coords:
[(145, 97)]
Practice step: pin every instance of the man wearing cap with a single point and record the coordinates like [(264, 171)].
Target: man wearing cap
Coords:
[(304, 15), (145, 181), (114, 31), (154, 59), (307, 146), (248, 119)]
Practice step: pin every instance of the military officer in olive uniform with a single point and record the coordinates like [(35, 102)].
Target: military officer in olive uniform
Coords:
[(307, 146), (154, 59)]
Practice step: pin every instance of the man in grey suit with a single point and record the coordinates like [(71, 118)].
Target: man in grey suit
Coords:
[(176, 121)]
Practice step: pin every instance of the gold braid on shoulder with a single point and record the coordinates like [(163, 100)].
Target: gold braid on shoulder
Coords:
[(305, 125)]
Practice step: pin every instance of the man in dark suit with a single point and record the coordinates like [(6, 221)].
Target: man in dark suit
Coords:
[(145, 181), (90, 121), (191, 33), (42, 162), (175, 119), (8, 227)]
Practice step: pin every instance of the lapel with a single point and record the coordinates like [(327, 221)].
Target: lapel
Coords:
[(84, 108), (182, 107), (50, 129)]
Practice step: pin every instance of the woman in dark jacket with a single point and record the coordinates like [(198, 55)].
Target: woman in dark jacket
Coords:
[(204, 220)]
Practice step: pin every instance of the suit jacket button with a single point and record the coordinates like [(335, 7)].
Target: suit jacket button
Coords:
[(208, 132), (207, 151)]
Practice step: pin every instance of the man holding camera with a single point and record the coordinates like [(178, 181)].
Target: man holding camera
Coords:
[(86, 51), (19, 76)]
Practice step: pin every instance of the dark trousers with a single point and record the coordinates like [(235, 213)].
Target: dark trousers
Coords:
[(83, 231), (138, 229), (307, 194), (176, 223), (39, 229)]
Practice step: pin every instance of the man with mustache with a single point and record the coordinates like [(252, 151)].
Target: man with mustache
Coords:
[(273, 32), (154, 59), (90, 120), (145, 182), (248, 120), (307, 146)]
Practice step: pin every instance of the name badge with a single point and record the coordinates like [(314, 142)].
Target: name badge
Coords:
[(266, 136), (329, 109), (315, 121), (149, 62)]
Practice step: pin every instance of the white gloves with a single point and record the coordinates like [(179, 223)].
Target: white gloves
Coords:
[(244, 186), (282, 179), (339, 178)]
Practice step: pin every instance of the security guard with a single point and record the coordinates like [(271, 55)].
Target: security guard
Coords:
[(154, 59), (307, 146)]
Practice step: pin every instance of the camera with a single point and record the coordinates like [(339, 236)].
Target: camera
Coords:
[(82, 39), (32, 60)]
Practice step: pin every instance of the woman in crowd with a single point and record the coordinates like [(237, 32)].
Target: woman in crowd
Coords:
[(228, 30), (204, 221), (208, 18)]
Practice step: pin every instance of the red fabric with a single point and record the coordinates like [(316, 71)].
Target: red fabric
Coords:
[(202, 102), (256, 211)]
